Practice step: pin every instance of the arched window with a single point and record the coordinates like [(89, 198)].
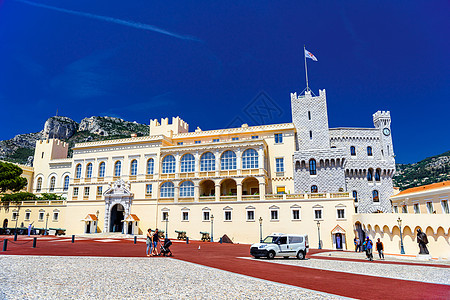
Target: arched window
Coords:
[(370, 175), (369, 151), (187, 163), (78, 171), (355, 196), (377, 175), (352, 151), (250, 159), (150, 166), (134, 165), (228, 160), (375, 196), (312, 167), (117, 168), (52, 183), (187, 189), (314, 189), (101, 169), (89, 170), (39, 184), (168, 164), (207, 162), (66, 183), (167, 190)]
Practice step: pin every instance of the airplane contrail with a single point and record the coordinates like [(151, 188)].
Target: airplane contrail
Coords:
[(114, 20)]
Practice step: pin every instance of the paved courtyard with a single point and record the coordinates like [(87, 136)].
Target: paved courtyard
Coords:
[(114, 268)]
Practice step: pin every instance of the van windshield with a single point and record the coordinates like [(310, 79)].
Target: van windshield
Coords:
[(270, 239)]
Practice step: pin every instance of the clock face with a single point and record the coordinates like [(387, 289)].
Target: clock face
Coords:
[(386, 131)]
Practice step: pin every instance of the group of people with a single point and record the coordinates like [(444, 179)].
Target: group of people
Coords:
[(367, 246), (152, 242)]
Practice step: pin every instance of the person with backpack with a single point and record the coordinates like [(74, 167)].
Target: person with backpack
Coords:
[(369, 248), (380, 249)]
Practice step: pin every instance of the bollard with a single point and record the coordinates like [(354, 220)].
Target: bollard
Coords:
[(5, 244), (187, 240), (34, 242), (220, 240), (15, 236), (73, 238), (135, 239)]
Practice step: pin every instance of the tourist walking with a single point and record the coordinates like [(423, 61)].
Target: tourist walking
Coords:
[(369, 248), (155, 242), (380, 249), (149, 242), (357, 244)]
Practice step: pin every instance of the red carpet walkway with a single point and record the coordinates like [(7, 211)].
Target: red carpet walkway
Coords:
[(225, 257)]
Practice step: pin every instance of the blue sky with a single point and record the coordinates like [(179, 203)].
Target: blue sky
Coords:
[(211, 63)]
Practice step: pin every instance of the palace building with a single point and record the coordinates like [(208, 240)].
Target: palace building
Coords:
[(248, 181)]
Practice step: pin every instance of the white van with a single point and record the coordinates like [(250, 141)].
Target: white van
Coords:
[(281, 245)]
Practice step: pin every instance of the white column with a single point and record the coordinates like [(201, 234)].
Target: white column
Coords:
[(217, 156), (176, 192), (177, 165), (239, 191), (239, 161), (262, 191), (261, 158), (197, 163), (196, 192), (217, 192)]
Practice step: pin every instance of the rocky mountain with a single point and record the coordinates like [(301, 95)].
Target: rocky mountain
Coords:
[(21, 147), (430, 170)]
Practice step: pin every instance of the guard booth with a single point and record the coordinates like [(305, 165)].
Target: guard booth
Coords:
[(131, 224), (338, 238), (90, 223)]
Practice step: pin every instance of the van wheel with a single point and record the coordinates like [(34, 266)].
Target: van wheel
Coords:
[(271, 255), (300, 255)]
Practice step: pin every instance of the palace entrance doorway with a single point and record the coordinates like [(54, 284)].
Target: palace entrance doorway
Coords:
[(117, 217)]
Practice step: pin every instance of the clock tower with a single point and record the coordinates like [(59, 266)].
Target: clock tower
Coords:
[(382, 121)]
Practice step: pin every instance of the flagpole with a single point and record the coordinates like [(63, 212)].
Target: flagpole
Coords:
[(306, 68)]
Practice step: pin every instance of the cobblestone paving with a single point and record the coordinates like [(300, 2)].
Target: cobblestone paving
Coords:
[(50, 277), (407, 272)]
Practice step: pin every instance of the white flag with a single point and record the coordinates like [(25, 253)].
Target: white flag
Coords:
[(310, 55)]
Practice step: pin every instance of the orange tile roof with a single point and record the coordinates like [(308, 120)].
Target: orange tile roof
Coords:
[(425, 188)]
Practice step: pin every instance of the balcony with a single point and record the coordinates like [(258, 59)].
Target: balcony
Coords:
[(228, 198)]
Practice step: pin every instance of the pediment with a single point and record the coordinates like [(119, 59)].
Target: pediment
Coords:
[(119, 188)]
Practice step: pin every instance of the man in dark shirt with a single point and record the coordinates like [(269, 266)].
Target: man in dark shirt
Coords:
[(155, 242)]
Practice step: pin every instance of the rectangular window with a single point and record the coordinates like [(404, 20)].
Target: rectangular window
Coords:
[(278, 138), (296, 214), (416, 208), (227, 215), (185, 216), (429, 207), (445, 208), (235, 139), (27, 215), (148, 189), (75, 191), (279, 163), (86, 191), (165, 215), (396, 209), (215, 140), (254, 137), (341, 213), (274, 215), (317, 214), (281, 190), (206, 216), (99, 190), (250, 215), (404, 209), (15, 215), (41, 216), (197, 142), (55, 216)]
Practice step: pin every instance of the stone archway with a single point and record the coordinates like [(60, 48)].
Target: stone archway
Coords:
[(250, 186), (118, 202), (207, 188), (228, 187), (116, 218)]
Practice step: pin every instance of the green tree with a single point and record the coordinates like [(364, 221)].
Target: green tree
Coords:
[(11, 182)]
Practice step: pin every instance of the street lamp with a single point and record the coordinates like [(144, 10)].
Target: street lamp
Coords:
[(318, 231), (96, 222), (212, 228), (260, 229), (402, 250), (167, 222), (46, 222)]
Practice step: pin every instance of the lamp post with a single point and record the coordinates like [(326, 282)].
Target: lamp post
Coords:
[(167, 224), (17, 219), (96, 222), (260, 229), (318, 231), (46, 222), (402, 250), (212, 228)]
